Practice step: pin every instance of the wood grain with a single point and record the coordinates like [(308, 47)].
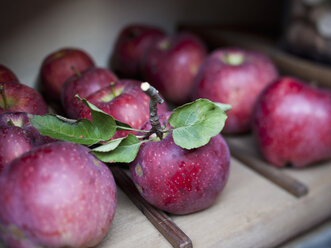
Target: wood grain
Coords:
[(158, 218), (274, 174)]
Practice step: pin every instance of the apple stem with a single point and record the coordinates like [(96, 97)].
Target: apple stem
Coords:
[(77, 73), (113, 88), (153, 117), (4, 98)]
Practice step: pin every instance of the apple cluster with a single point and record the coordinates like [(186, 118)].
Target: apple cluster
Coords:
[(58, 194), (289, 119)]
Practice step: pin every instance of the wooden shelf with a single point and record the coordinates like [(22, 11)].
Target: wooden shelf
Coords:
[(252, 211)]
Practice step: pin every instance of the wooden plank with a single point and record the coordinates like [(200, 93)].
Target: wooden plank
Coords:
[(158, 218), (250, 212), (275, 175), (286, 63)]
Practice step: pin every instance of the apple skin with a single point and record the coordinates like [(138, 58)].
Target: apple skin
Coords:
[(238, 85), (131, 46), (178, 180), (90, 81), (22, 98), (57, 68), (130, 105), (56, 195), (6, 75), (292, 123), (171, 64)]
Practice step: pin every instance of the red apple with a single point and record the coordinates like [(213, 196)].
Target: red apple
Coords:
[(21, 120), (125, 101), (171, 65), (6, 75), (17, 136), (292, 123), (84, 84), (177, 180), (130, 48), (58, 67), (19, 97), (13, 143), (236, 77), (56, 195)]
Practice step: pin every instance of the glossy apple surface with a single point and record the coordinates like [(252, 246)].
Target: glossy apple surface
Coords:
[(88, 82), (125, 101), (178, 180), (292, 123), (171, 64), (236, 77), (57, 68), (131, 46), (6, 75), (21, 98), (56, 195)]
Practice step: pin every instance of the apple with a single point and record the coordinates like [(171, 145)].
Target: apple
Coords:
[(21, 120), (6, 75), (59, 66), (178, 180), (13, 143), (19, 97), (56, 195), (171, 64), (17, 136), (130, 48), (84, 84), (125, 101), (292, 123), (234, 76)]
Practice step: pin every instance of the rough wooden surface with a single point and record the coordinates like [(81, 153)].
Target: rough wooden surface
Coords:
[(251, 212)]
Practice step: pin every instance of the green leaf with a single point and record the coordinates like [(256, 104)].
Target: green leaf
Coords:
[(81, 132), (225, 107), (125, 152), (109, 146), (197, 122)]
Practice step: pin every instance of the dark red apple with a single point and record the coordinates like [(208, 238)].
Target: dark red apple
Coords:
[(17, 136), (58, 67), (125, 101), (6, 75), (13, 143), (177, 180), (21, 120), (130, 48), (292, 123), (56, 195), (88, 82), (171, 65), (19, 97), (236, 77)]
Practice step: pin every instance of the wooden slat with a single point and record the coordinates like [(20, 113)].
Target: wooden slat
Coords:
[(275, 175), (158, 218)]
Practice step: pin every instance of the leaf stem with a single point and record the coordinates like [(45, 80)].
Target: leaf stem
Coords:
[(153, 117), (4, 98)]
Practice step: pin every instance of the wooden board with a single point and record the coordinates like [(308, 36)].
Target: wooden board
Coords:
[(251, 212)]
